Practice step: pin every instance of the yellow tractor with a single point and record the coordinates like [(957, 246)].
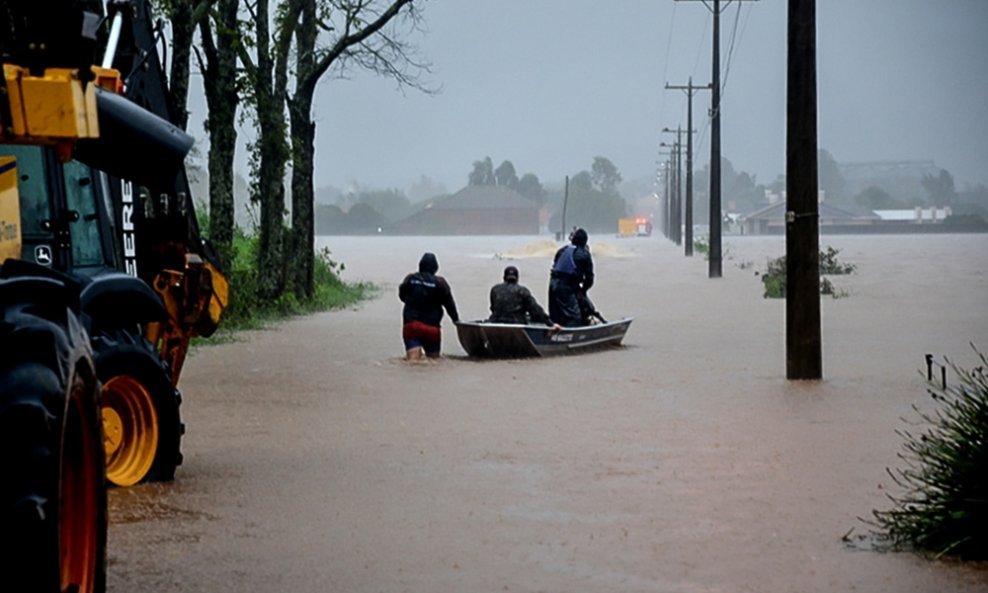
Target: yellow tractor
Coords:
[(104, 280)]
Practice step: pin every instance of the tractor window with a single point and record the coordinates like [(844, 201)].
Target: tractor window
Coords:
[(33, 190), (80, 197)]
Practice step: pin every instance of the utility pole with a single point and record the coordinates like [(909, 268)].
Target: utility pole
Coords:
[(688, 223), (676, 211), (715, 268), (804, 359), (565, 201), (666, 197), (667, 202)]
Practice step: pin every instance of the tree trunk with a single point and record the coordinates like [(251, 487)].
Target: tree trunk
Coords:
[(220, 82), (303, 132), (183, 29), (272, 156), (303, 196)]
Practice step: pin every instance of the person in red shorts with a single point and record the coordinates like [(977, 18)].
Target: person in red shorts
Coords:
[(425, 296)]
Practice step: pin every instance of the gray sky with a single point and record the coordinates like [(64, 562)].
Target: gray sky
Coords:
[(549, 84)]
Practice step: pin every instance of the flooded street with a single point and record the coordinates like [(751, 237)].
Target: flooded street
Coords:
[(317, 460)]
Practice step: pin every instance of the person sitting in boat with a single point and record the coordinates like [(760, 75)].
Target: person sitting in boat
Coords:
[(425, 296), (511, 302), (572, 276)]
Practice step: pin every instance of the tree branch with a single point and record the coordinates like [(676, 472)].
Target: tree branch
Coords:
[(350, 39)]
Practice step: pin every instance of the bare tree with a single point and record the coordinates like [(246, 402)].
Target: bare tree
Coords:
[(364, 34)]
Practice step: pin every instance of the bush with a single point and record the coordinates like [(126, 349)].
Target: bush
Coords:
[(945, 508), (774, 277), (246, 310)]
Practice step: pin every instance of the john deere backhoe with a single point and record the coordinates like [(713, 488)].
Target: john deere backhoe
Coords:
[(104, 280)]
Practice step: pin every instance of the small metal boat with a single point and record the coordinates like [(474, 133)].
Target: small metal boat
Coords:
[(484, 339)]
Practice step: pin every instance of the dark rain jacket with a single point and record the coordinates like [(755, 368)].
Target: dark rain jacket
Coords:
[(571, 278), (425, 296), (513, 303), (573, 265)]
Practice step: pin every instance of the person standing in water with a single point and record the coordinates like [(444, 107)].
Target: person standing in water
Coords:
[(425, 296), (571, 278)]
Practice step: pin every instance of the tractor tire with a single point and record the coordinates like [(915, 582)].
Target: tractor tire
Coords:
[(52, 478), (140, 409)]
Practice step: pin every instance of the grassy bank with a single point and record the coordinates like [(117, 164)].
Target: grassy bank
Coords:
[(246, 310)]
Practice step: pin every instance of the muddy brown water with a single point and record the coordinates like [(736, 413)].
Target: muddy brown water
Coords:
[(317, 460)]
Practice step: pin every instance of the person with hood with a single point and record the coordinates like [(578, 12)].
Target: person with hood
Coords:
[(571, 278), (513, 303), (425, 296)]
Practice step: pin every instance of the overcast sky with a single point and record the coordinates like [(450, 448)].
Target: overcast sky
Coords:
[(549, 84)]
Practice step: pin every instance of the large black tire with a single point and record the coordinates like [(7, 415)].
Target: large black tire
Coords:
[(140, 409), (52, 480)]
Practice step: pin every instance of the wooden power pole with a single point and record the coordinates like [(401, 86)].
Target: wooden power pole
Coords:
[(804, 359), (715, 266), (688, 213)]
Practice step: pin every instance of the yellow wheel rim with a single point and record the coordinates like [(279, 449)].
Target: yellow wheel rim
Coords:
[(79, 501), (130, 430)]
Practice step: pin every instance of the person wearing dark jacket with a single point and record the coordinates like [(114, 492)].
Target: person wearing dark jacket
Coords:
[(513, 303), (571, 278), (425, 296)]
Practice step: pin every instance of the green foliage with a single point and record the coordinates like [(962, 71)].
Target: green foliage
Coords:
[(940, 188), (830, 265), (530, 187), (505, 175), (945, 507), (605, 175), (774, 278), (589, 207), (246, 310), (483, 173)]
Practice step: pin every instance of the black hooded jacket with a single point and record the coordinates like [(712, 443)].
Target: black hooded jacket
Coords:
[(425, 294)]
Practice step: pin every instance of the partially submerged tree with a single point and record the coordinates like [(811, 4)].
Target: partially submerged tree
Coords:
[(365, 34)]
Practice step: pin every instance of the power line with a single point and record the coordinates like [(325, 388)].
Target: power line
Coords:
[(715, 253), (730, 52)]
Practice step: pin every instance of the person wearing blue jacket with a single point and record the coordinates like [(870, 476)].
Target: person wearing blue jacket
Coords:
[(571, 277)]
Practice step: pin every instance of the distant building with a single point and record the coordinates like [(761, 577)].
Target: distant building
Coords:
[(771, 220), (474, 210), (915, 215)]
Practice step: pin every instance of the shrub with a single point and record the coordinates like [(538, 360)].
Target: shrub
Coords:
[(774, 278), (945, 508), (246, 310)]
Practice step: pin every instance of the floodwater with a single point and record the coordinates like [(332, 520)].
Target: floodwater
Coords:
[(317, 460)]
